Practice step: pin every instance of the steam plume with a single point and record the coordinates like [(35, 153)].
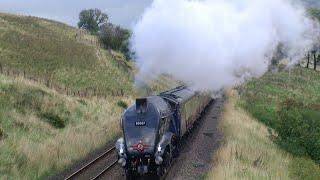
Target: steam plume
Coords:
[(212, 44)]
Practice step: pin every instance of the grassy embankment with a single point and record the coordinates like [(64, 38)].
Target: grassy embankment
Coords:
[(51, 50), (261, 150), (42, 131)]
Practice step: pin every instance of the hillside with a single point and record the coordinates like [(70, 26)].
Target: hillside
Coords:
[(289, 102), (59, 90), (272, 129), (60, 55)]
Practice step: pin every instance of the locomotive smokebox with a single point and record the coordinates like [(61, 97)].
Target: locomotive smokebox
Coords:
[(141, 105)]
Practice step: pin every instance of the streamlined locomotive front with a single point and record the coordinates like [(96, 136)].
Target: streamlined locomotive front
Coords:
[(137, 150)]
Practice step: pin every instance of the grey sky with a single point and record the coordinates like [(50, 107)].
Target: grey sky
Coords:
[(122, 12)]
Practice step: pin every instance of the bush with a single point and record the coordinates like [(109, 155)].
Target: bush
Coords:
[(290, 107), (115, 37), (299, 130), (2, 134), (122, 104), (54, 119)]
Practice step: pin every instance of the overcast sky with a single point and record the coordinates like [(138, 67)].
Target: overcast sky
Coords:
[(122, 12)]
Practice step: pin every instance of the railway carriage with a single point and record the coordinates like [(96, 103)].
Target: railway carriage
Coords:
[(153, 128)]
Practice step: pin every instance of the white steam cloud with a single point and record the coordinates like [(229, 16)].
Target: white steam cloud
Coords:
[(212, 44)]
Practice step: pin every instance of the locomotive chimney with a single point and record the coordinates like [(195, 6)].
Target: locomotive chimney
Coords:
[(141, 105)]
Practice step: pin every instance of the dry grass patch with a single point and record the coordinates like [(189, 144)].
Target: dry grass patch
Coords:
[(31, 147), (247, 151)]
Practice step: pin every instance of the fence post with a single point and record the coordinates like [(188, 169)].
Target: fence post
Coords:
[(308, 57), (122, 93), (314, 61)]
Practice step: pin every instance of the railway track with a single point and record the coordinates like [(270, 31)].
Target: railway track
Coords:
[(92, 170)]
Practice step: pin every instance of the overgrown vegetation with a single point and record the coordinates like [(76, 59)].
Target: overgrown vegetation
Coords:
[(116, 37), (248, 150), (288, 102)]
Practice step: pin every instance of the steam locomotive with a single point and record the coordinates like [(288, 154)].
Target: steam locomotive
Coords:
[(153, 128)]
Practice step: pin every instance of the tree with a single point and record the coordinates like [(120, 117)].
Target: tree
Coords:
[(115, 37), (92, 20), (314, 13)]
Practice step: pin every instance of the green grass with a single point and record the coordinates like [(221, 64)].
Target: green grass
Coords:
[(50, 50), (289, 103), (247, 151)]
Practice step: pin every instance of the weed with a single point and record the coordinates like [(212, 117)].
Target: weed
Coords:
[(2, 133), (122, 104), (54, 119)]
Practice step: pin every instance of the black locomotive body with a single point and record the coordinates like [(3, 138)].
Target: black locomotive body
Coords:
[(153, 128)]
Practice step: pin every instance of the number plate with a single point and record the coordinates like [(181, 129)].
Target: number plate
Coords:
[(140, 123)]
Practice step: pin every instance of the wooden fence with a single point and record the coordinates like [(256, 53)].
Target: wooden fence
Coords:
[(312, 60), (84, 93)]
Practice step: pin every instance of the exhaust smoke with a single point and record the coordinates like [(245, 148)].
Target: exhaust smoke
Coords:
[(213, 44)]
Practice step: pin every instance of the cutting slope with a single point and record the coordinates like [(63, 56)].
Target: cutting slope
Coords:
[(61, 54)]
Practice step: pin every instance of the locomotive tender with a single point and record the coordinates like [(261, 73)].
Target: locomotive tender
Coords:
[(154, 127)]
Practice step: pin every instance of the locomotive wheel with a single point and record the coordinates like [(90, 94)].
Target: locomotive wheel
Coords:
[(129, 175), (166, 162), (165, 165), (175, 148)]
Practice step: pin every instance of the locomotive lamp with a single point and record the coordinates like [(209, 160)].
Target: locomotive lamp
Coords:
[(158, 158), (121, 152)]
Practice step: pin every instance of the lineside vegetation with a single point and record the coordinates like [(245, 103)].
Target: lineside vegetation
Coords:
[(289, 103), (249, 151)]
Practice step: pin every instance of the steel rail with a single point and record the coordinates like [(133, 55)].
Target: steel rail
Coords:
[(105, 170), (90, 163)]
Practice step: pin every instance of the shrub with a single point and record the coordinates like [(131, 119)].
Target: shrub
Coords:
[(122, 104), (54, 119), (299, 130), (2, 134), (115, 37)]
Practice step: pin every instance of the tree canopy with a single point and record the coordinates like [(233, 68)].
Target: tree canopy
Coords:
[(315, 13), (92, 19)]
